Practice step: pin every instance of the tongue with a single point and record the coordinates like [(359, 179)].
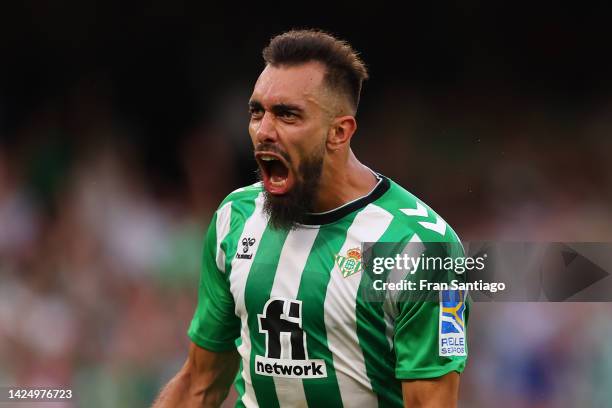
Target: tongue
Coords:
[(278, 172), (279, 181)]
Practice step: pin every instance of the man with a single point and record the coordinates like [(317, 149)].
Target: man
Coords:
[(280, 306)]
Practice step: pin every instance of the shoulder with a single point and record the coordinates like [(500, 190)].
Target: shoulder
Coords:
[(413, 216), (239, 204), (231, 215), (243, 194), (242, 199)]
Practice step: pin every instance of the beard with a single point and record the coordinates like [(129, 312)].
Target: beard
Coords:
[(290, 209)]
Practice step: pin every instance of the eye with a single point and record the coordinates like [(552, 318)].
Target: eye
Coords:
[(255, 112), (287, 115)]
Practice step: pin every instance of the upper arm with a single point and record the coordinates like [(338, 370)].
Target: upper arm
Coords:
[(432, 392), (430, 339), (215, 325)]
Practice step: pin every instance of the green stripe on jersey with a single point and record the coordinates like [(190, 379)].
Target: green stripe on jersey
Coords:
[(321, 392), (378, 354), (257, 292)]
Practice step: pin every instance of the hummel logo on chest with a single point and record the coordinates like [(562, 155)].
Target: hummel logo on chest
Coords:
[(247, 243)]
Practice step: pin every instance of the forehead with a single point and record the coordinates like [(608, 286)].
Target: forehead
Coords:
[(289, 84)]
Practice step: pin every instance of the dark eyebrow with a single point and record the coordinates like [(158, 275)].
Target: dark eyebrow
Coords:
[(255, 105), (278, 109), (283, 108)]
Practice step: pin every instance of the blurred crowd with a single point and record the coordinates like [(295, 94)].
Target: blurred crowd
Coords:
[(100, 252)]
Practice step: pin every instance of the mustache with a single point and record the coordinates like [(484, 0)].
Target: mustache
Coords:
[(272, 148)]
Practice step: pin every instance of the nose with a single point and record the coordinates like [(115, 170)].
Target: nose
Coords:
[(266, 132)]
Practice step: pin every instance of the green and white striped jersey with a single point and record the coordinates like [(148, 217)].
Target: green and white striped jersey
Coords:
[(305, 334)]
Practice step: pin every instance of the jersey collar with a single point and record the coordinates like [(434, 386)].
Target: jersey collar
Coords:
[(334, 215)]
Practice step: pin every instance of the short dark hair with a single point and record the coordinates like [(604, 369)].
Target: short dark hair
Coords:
[(345, 70)]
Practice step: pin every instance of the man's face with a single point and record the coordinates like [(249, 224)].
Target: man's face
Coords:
[(290, 120)]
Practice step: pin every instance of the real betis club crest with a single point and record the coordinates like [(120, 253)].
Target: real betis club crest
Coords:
[(349, 264)]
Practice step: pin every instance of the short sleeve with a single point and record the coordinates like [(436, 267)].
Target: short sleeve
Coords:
[(215, 325), (430, 336)]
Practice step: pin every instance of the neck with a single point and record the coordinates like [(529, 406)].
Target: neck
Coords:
[(343, 180)]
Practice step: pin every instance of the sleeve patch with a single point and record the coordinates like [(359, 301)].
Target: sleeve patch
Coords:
[(452, 324)]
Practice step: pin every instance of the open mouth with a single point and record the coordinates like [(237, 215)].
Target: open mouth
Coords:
[(276, 173)]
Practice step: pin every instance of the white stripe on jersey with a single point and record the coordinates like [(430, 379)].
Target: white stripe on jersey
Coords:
[(293, 257), (253, 228), (224, 215), (340, 312)]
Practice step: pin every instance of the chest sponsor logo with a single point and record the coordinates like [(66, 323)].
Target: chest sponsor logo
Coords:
[(349, 264), (286, 351)]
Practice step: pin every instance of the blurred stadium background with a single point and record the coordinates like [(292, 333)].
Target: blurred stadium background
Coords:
[(123, 126)]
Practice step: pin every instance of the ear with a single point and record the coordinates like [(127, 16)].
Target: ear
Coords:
[(341, 132)]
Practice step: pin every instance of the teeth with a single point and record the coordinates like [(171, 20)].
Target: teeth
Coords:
[(278, 181), (268, 158)]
